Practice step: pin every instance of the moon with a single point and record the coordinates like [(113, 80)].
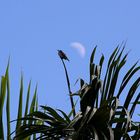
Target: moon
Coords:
[(79, 47)]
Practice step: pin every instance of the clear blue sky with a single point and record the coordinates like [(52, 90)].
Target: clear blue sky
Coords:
[(31, 31)]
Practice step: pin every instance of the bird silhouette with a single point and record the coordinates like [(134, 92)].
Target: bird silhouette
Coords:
[(62, 55)]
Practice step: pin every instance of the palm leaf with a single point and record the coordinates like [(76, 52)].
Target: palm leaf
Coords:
[(27, 101), (2, 99), (8, 105), (20, 104)]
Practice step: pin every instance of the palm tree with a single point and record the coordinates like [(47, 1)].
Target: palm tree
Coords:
[(100, 116)]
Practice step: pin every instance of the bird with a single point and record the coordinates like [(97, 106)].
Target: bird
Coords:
[(62, 55)]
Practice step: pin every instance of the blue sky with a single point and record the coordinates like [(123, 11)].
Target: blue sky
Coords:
[(31, 31)]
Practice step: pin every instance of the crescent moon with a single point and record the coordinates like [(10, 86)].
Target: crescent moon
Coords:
[(79, 47)]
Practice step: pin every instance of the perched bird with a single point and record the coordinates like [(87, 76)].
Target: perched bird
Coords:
[(62, 55)]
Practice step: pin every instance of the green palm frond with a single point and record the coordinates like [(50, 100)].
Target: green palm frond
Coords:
[(5, 100), (49, 124)]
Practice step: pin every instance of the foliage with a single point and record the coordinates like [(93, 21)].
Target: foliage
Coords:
[(5, 99), (100, 117)]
